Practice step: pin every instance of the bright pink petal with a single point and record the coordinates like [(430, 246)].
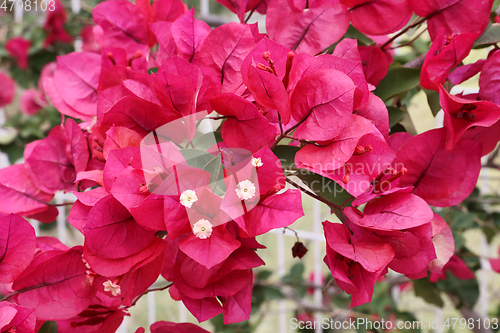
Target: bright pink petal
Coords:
[(17, 246), (309, 31), (324, 99), (55, 285)]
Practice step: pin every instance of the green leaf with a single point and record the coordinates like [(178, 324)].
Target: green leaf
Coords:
[(397, 81), (207, 140), (464, 221), (324, 187), (196, 158), (215, 167), (433, 100), (459, 240), (295, 274), (362, 39), (490, 36), (428, 291), (48, 327), (152, 70), (264, 275), (466, 290), (395, 115), (271, 292), (286, 154)]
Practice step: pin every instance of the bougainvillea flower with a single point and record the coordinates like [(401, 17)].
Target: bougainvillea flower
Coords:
[(444, 243), (322, 101), (31, 101), (379, 17), (72, 87), (396, 211), (166, 43), (169, 327), (376, 111), (274, 211), (17, 246), (54, 24), (123, 237), (7, 89), (240, 7), (198, 287), (91, 38), (189, 33), (467, 16), (414, 250), (19, 194), (223, 52), (349, 274), (429, 167), (15, 318), (264, 71), (18, 48), (335, 154), (350, 65), (375, 63), (457, 267), (246, 127), (461, 114), (446, 52), (106, 316), (123, 23), (138, 115), (372, 253), (488, 80), (137, 281), (115, 267), (167, 10), (51, 282), (311, 30), (48, 163), (213, 249), (465, 72)]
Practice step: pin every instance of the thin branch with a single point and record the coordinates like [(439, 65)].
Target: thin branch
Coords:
[(413, 25), (281, 124), (61, 204), (294, 231), (250, 14), (301, 140), (409, 42), (329, 203), (216, 118), (147, 292), (288, 131)]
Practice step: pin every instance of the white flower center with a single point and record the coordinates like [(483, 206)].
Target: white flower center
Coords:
[(188, 197), (257, 162), (114, 288), (245, 190), (202, 229)]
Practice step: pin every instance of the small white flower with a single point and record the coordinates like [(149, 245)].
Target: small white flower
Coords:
[(257, 162), (202, 229), (245, 190), (188, 197), (86, 263), (114, 288)]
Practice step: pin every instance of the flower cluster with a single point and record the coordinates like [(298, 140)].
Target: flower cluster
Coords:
[(156, 196)]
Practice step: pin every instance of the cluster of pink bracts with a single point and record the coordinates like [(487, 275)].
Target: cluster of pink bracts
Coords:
[(268, 89)]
